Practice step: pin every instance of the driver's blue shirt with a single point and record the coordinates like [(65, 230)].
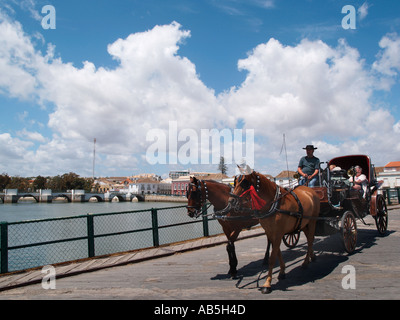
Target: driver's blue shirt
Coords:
[(309, 165)]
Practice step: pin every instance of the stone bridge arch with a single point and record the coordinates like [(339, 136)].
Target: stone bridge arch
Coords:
[(99, 199), (28, 196), (62, 195), (119, 196), (140, 197)]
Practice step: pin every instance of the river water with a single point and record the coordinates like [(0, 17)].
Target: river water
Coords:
[(29, 210), (36, 243)]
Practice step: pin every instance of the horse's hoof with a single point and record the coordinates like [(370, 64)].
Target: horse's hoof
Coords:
[(266, 290), (282, 276), (232, 274)]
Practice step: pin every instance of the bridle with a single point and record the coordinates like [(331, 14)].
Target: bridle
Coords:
[(237, 204), (246, 185), (197, 195), (274, 205)]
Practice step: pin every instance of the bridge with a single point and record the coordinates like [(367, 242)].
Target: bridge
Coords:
[(47, 196), (196, 270)]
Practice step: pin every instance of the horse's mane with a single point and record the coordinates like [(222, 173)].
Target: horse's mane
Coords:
[(219, 183), (262, 176), (210, 180)]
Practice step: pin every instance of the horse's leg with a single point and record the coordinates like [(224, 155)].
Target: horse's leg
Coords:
[(231, 234), (266, 288), (233, 262), (309, 231), (282, 274), (266, 257)]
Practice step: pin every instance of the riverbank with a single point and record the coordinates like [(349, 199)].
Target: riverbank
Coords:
[(23, 211), (164, 198)]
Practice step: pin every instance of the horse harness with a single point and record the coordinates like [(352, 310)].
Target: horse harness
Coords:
[(274, 207), (256, 214), (199, 197)]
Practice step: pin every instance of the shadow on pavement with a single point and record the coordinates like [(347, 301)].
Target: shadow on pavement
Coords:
[(329, 252)]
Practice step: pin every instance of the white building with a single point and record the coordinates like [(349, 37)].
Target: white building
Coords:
[(164, 187), (175, 174), (390, 175), (143, 186), (285, 179)]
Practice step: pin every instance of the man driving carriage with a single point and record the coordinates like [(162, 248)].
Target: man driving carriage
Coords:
[(309, 167)]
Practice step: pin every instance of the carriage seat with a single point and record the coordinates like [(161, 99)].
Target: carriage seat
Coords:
[(339, 179), (338, 173)]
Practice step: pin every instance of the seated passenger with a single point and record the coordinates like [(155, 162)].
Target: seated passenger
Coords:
[(360, 181), (333, 167)]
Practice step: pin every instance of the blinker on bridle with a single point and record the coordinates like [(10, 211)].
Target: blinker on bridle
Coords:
[(198, 197), (245, 184)]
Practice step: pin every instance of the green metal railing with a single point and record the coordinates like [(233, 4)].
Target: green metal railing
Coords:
[(392, 195), (35, 243)]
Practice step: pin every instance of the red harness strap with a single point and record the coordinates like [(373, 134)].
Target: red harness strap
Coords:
[(256, 202)]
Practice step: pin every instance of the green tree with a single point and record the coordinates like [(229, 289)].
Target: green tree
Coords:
[(40, 183), (73, 181), (70, 181), (88, 184), (4, 180), (56, 183), (17, 182), (222, 166)]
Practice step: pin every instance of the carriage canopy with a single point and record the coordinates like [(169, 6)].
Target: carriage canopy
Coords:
[(364, 161)]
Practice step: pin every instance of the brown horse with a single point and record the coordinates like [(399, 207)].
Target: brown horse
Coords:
[(281, 214), (198, 193)]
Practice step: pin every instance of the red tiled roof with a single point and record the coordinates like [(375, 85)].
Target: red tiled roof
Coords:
[(393, 164)]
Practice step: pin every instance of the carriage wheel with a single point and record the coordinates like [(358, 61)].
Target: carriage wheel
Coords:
[(349, 231), (381, 218), (291, 239)]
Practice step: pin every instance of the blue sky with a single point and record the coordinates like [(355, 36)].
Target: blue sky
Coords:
[(115, 70)]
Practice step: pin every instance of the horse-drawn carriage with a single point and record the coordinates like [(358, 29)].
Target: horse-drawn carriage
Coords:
[(341, 205), (332, 207)]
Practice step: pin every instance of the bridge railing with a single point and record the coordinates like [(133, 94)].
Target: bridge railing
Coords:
[(392, 195), (35, 243)]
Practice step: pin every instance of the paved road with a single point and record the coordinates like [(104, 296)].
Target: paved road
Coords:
[(201, 274)]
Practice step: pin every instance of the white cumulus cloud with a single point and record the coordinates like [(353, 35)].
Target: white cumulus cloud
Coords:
[(388, 61), (312, 92), (363, 11)]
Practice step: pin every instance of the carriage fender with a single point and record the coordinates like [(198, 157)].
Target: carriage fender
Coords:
[(373, 207)]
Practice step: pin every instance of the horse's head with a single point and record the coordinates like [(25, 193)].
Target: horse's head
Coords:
[(193, 193), (243, 183)]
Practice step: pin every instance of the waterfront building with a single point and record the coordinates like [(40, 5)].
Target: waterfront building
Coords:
[(390, 175), (175, 174), (145, 176), (180, 185), (144, 186), (164, 187), (285, 179)]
